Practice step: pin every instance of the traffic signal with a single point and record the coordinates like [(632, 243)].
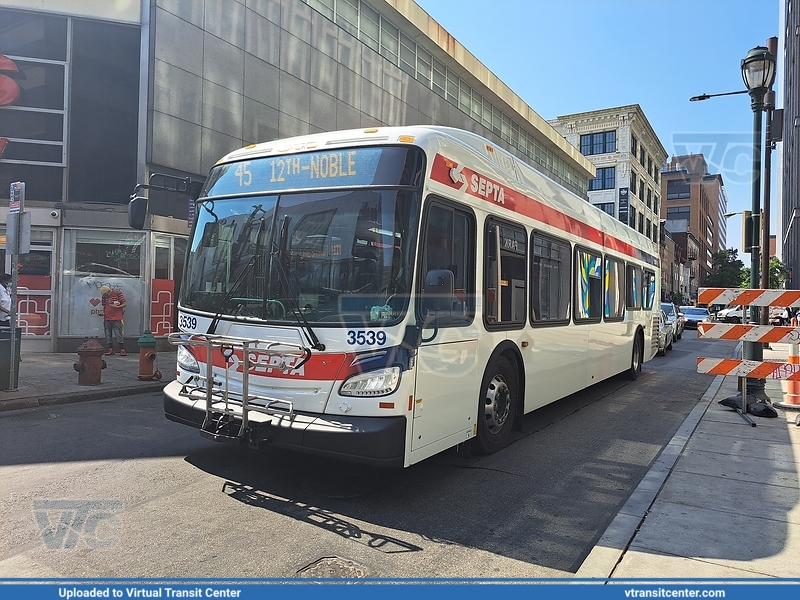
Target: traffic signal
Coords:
[(749, 223)]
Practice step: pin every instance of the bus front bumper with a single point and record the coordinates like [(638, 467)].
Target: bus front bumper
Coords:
[(376, 441)]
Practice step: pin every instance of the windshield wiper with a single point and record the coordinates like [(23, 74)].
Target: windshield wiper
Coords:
[(212, 327), (298, 314)]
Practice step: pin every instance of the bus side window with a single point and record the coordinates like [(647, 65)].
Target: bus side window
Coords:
[(551, 268), (633, 285), (588, 286), (505, 274), (648, 290), (449, 244), (613, 287)]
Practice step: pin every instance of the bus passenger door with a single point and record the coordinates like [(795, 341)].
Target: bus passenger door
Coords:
[(447, 378)]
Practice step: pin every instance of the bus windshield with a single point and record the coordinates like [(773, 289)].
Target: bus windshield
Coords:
[(340, 257)]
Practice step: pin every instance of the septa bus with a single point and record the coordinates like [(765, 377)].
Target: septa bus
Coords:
[(382, 295)]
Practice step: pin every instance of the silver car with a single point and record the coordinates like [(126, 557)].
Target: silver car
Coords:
[(665, 333), (674, 316), (692, 315)]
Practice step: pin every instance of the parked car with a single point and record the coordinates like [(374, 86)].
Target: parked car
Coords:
[(733, 314), (674, 317), (665, 333), (693, 315), (779, 316)]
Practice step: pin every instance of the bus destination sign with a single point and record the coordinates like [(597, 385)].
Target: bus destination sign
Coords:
[(350, 167)]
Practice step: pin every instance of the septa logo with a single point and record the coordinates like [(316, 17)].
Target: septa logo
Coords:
[(456, 176)]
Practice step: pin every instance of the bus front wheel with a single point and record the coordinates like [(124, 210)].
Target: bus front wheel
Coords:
[(498, 405), (636, 358)]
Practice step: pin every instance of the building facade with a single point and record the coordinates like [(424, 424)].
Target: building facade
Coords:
[(628, 157), (111, 93), (695, 202), (688, 249), (671, 270), (788, 197)]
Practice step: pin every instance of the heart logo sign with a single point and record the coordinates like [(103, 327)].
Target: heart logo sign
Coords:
[(95, 301)]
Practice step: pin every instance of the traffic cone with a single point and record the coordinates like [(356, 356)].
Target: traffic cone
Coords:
[(791, 398)]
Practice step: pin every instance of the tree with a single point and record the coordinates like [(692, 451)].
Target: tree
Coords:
[(727, 270), (778, 274)]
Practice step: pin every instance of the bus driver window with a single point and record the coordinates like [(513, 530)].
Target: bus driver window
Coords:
[(449, 244)]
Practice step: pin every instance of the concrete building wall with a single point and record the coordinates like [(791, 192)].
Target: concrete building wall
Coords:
[(122, 11), (202, 78), (224, 75), (789, 174)]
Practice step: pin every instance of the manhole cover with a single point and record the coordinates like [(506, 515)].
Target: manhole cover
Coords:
[(334, 567)]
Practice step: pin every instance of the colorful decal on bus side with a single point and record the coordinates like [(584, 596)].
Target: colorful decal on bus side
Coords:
[(589, 269)]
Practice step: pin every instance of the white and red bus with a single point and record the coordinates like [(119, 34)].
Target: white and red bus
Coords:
[(382, 295)]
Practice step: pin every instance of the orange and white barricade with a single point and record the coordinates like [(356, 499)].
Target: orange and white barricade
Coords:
[(786, 371)]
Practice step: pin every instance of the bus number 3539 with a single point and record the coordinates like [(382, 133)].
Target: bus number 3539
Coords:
[(366, 338)]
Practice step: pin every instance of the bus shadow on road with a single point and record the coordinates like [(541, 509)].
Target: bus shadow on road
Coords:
[(319, 517)]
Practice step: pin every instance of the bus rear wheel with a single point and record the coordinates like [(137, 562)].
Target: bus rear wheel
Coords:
[(497, 406)]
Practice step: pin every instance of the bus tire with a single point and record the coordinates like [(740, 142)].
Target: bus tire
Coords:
[(497, 406), (636, 358)]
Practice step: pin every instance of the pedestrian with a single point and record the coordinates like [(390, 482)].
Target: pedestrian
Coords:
[(5, 301), (113, 310)]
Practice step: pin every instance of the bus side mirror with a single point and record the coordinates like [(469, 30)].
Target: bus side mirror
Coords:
[(137, 212), (210, 237), (438, 291)]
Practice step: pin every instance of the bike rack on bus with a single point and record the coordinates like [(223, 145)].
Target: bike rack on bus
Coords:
[(221, 403)]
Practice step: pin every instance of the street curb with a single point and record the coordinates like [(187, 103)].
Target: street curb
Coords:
[(82, 396), (612, 545)]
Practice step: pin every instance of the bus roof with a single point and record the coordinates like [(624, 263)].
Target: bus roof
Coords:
[(484, 156)]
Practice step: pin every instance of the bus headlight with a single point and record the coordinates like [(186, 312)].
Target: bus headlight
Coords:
[(186, 361), (372, 383)]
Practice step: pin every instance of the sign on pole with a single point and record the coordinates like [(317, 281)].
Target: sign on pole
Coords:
[(18, 241)]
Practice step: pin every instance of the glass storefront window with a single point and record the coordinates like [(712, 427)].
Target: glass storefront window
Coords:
[(35, 283), (93, 259), (169, 254)]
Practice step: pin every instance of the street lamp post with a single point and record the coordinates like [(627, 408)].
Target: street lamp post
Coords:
[(758, 73)]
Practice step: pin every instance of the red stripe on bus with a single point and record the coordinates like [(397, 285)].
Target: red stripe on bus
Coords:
[(322, 367), (449, 173)]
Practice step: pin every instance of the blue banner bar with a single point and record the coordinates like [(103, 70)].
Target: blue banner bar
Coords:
[(360, 589)]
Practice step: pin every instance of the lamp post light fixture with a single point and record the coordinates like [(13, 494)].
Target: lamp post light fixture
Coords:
[(758, 73)]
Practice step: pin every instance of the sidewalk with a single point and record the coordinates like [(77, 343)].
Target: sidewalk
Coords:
[(49, 378), (722, 500)]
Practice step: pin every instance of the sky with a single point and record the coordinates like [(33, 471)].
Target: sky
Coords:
[(568, 56)]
